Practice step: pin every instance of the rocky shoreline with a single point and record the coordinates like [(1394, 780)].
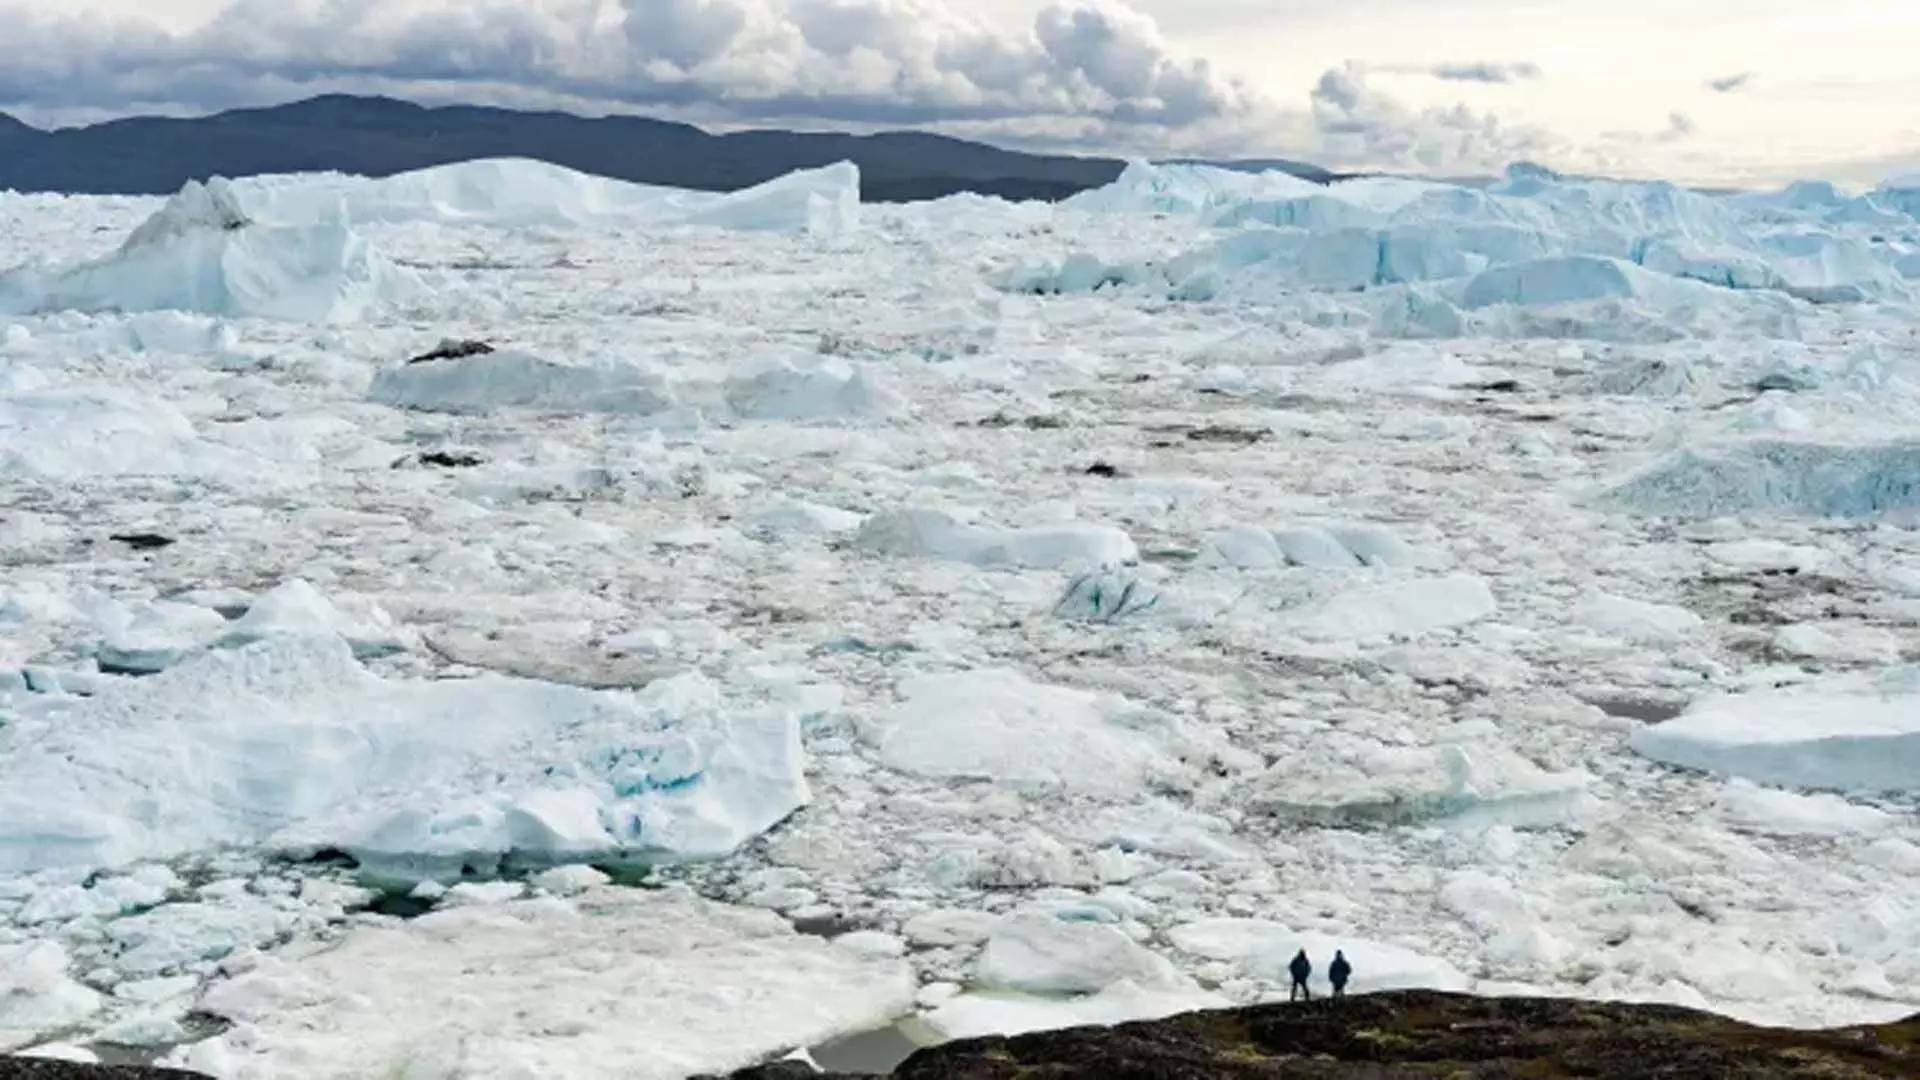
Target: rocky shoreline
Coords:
[(1406, 1035), (1415, 1035)]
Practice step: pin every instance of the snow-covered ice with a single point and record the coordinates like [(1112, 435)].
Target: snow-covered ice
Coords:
[(36, 993), (999, 726), (519, 192), (1847, 733), (204, 252), (612, 983), (288, 741), (1058, 613)]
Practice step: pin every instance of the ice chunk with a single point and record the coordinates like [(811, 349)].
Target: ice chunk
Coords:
[(482, 894), (1252, 548), (569, 880), (937, 534), (1355, 782), (997, 725), (1770, 557), (1787, 813), (172, 936), (509, 379), (530, 988), (1040, 954), (820, 202), (101, 897), (1315, 212), (1174, 187), (794, 517), (36, 993), (950, 926), (295, 607), (1635, 620), (204, 252), (1560, 280), (85, 431), (1330, 545), (1406, 609), (872, 943), (1838, 642), (1487, 903), (1846, 733), (290, 742), (785, 391), (980, 1015), (79, 1055), (1771, 476), (1103, 596), (1369, 544), (1230, 939), (157, 636), (519, 192)]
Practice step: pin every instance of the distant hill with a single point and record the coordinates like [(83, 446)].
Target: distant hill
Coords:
[(376, 136)]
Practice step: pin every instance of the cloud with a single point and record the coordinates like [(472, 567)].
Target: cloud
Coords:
[(1358, 125), (1486, 72), (1095, 75), (852, 61), (1680, 127), (1728, 84)]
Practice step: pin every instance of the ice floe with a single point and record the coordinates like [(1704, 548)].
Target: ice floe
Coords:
[(1847, 733), (610, 983), (290, 742)]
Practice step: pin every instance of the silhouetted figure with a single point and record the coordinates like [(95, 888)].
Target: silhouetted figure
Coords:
[(1300, 969), (1339, 972)]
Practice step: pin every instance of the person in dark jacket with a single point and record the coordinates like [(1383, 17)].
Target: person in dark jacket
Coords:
[(1338, 973), (1300, 969)]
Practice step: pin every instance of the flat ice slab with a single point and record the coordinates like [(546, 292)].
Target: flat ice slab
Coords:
[(633, 984), (1351, 782), (997, 725), (1849, 733)]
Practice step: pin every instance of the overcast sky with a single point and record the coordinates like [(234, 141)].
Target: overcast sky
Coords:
[(1703, 90)]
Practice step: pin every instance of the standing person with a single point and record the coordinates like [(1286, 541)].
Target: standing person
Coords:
[(1339, 972), (1300, 969)]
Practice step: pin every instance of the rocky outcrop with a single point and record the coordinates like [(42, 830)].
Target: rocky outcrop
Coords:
[(1422, 1034), (25, 1068), (1413, 1035)]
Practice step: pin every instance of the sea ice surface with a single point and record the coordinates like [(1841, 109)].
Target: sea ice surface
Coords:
[(1061, 613)]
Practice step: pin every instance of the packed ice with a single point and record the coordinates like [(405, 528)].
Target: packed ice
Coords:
[(657, 631)]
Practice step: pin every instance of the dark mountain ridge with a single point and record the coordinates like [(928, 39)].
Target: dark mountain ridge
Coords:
[(377, 136)]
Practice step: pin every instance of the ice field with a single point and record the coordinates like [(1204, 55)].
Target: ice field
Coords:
[(658, 631)]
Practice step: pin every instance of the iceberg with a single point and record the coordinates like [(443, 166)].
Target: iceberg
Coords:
[(290, 743)]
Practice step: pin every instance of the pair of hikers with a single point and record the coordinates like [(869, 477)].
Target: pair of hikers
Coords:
[(1337, 974)]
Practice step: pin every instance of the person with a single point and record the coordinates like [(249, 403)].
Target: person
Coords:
[(1300, 969), (1339, 972)]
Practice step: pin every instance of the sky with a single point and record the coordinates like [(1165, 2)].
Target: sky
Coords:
[(1707, 91)]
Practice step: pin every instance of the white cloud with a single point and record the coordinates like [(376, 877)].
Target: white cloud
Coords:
[(1359, 125), (889, 61), (1486, 71)]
